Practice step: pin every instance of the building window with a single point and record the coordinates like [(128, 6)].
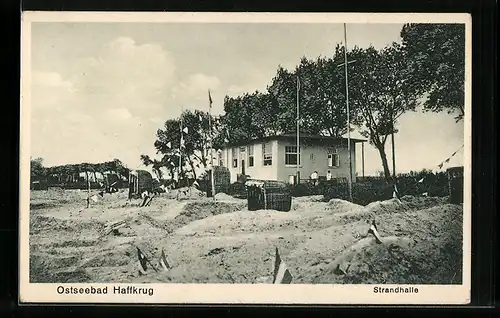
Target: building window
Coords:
[(250, 156), (267, 155), (291, 155), (235, 157), (333, 159)]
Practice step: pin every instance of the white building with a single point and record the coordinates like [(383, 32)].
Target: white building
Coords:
[(275, 157)]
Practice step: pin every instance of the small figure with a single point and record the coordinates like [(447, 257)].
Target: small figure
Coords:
[(328, 176), (314, 178)]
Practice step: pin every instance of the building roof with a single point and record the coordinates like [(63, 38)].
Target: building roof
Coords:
[(293, 137)]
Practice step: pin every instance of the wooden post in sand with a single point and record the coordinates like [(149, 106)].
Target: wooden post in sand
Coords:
[(88, 189)]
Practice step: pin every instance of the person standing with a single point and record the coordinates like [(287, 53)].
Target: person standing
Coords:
[(328, 176), (314, 178)]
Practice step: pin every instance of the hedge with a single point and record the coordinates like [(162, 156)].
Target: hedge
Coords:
[(376, 189)]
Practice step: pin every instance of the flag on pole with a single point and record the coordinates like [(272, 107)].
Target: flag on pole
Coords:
[(373, 230), (281, 273), (185, 130), (395, 193), (169, 144), (421, 180), (142, 264), (164, 261)]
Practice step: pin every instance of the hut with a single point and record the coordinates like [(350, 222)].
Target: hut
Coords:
[(112, 182), (138, 182), (268, 194), (222, 180)]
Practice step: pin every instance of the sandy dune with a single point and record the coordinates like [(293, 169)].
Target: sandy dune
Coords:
[(221, 241)]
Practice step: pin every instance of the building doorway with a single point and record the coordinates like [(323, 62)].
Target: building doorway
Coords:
[(242, 157)]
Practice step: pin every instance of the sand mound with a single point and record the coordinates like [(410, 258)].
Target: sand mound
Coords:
[(39, 223), (197, 210), (309, 207), (185, 193), (310, 198), (241, 221), (398, 260), (220, 241), (107, 258), (343, 206), (419, 247), (221, 196), (50, 269)]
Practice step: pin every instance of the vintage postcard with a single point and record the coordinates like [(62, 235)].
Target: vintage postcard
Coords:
[(245, 158)]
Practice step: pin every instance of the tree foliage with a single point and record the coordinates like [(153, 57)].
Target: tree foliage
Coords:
[(114, 166), (37, 170), (380, 92), (196, 142), (383, 85), (436, 56)]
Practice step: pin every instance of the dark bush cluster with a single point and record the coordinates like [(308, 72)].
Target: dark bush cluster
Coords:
[(372, 189)]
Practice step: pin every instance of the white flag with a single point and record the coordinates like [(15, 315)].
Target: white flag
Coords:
[(373, 230), (169, 144), (142, 263), (421, 180), (185, 130), (164, 263), (281, 273)]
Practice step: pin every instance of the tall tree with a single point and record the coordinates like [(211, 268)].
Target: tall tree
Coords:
[(436, 56), (321, 96), (155, 164), (246, 117), (380, 91), (196, 140)]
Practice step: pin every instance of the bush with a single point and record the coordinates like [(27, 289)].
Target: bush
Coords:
[(376, 189), (363, 193)]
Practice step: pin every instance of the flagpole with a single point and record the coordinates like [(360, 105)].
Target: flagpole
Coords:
[(298, 131), (210, 132), (88, 189), (348, 115), (180, 148)]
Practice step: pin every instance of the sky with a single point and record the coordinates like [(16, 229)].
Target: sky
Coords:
[(100, 91)]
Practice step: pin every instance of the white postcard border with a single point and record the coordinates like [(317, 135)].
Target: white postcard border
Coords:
[(238, 293)]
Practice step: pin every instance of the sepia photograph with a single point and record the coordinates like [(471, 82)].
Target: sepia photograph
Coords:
[(256, 150)]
